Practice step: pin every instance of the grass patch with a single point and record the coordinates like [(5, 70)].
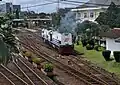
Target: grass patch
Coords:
[(97, 58)]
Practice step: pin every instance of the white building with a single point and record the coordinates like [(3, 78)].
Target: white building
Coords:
[(112, 40), (91, 10)]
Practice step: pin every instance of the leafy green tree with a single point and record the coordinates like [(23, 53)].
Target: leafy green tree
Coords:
[(104, 28), (88, 29), (110, 17), (8, 39), (56, 20)]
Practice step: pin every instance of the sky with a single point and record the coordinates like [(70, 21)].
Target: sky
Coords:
[(46, 8)]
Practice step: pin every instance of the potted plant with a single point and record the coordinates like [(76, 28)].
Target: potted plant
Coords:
[(117, 55), (106, 54), (48, 68), (38, 62)]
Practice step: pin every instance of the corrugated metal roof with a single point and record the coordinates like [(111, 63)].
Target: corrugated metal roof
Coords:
[(114, 33)]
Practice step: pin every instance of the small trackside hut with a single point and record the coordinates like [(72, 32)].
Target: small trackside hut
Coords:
[(60, 41)]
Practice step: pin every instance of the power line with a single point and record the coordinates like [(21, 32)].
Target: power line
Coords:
[(69, 3), (79, 3), (39, 5), (86, 3)]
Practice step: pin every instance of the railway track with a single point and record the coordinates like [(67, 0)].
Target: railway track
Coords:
[(92, 71), (26, 73), (78, 63), (87, 69), (11, 77), (29, 73), (81, 75)]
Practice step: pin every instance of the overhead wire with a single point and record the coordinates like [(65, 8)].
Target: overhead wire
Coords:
[(70, 2), (86, 3), (39, 5)]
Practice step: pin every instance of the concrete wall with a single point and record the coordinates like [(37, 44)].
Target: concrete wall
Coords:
[(112, 45)]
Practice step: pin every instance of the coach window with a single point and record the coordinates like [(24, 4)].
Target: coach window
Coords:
[(85, 15), (91, 14)]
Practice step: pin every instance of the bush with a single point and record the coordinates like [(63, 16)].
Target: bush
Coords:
[(89, 47), (84, 42), (99, 48), (96, 47), (106, 54), (23, 52), (37, 60), (28, 54), (117, 55), (91, 42), (48, 67)]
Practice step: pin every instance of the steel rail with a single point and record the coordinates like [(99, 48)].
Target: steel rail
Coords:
[(68, 67), (14, 74), (24, 73), (7, 78), (33, 72)]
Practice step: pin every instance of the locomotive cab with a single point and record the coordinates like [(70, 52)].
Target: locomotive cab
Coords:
[(66, 46)]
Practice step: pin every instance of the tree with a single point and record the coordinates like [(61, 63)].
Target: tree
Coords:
[(56, 20), (88, 29), (7, 39), (42, 15), (110, 17), (17, 14)]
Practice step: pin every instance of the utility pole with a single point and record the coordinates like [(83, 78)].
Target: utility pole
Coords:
[(58, 15), (58, 5)]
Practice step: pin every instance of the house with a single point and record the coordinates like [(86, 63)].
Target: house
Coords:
[(112, 39), (91, 10)]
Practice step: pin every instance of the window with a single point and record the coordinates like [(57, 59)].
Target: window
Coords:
[(85, 15), (91, 14), (79, 14)]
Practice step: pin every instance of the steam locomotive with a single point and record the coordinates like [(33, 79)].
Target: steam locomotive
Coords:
[(61, 41)]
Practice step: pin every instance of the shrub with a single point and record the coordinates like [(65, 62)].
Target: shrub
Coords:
[(99, 48), (106, 54), (84, 42), (91, 42), (48, 67), (96, 47), (117, 55), (37, 60), (89, 47), (28, 54), (23, 52)]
